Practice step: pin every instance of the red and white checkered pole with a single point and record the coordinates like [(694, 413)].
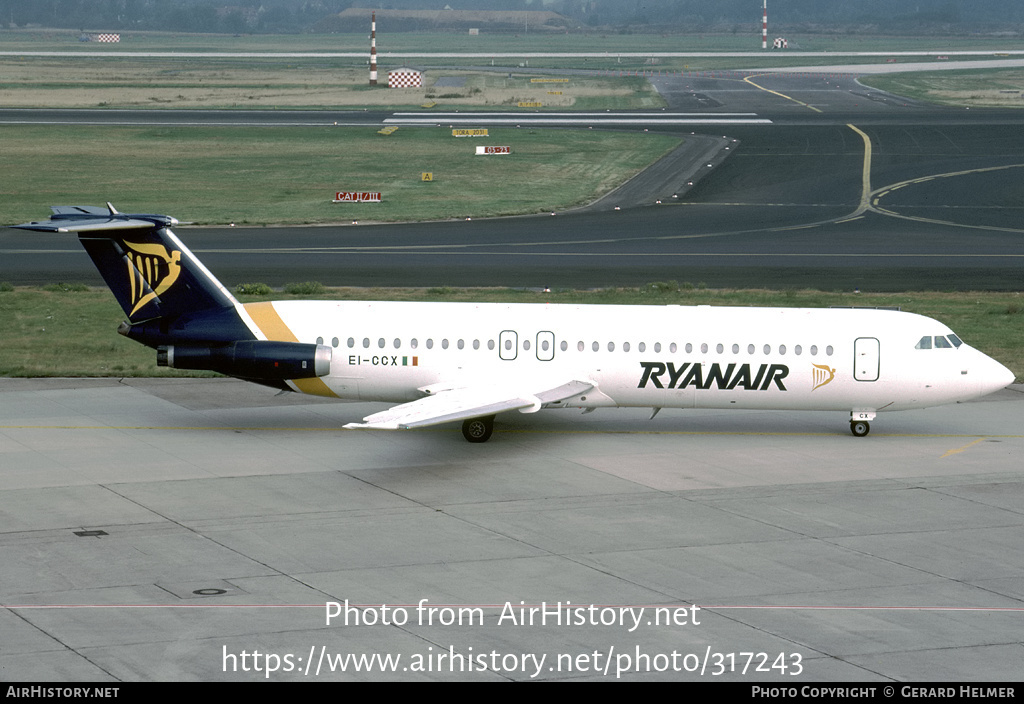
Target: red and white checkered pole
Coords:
[(373, 48), (764, 27)]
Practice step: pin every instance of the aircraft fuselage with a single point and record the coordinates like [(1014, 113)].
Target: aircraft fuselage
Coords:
[(654, 356)]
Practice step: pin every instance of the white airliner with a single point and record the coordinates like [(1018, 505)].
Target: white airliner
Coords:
[(444, 362)]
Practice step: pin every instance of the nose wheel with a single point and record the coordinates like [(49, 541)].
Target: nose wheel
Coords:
[(859, 425), (478, 429)]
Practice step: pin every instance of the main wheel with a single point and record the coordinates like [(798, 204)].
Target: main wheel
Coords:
[(478, 429), (859, 428)]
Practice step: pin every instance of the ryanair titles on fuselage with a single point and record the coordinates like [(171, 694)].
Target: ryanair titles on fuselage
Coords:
[(666, 375)]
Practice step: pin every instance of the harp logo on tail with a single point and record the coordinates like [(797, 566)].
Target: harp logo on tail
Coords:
[(151, 271), (821, 375)]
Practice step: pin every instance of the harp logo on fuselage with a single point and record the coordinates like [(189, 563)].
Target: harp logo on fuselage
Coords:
[(666, 375), (151, 271), (821, 375)]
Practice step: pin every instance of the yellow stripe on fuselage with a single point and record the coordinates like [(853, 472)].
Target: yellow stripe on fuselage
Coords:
[(273, 327), (269, 322)]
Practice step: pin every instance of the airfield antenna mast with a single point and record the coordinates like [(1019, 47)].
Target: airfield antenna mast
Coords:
[(764, 27), (373, 48)]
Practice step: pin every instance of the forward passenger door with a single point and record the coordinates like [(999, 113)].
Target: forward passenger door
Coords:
[(866, 359)]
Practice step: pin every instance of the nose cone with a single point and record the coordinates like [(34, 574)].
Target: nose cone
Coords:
[(1006, 377), (990, 375)]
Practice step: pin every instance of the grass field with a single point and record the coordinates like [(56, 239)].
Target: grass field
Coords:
[(183, 83), (289, 175), (71, 330), (997, 88)]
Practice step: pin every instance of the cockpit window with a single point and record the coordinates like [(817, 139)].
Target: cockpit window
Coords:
[(938, 342)]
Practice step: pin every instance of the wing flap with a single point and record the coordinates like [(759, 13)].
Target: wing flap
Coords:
[(468, 402)]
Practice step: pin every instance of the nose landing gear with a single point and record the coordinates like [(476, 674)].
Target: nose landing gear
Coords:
[(859, 424)]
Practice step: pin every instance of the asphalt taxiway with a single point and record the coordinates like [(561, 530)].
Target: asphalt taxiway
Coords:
[(159, 530)]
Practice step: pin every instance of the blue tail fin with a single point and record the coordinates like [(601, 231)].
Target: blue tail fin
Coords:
[(176, 305), (151, 273)]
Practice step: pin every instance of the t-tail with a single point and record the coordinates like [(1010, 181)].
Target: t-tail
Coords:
[(175, 305)]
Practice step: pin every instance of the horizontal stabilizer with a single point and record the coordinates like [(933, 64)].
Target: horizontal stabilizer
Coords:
[(89, 218), (91, 224), (74, 210)]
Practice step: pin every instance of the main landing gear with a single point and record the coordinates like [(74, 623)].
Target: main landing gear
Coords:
[(478, 429)]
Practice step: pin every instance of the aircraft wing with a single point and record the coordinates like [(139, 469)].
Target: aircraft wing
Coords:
[(469, 402)]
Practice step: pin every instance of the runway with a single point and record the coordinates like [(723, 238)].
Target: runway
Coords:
[(154, 529)]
